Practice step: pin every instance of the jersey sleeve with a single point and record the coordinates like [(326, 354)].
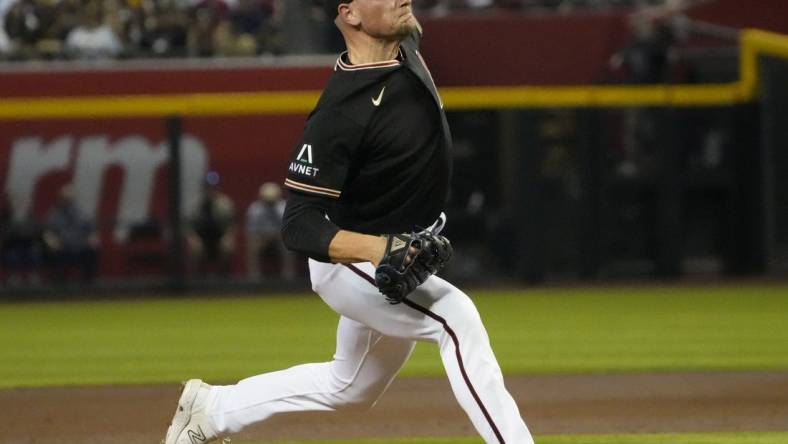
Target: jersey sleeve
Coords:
[(305, 228), (320, 160)]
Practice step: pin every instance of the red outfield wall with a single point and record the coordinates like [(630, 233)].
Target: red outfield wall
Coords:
[(118, 166)]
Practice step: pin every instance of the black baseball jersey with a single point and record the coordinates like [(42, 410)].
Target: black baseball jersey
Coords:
[(378, 145)]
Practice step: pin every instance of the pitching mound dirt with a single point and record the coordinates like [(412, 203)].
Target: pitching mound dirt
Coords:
[(697, 402)]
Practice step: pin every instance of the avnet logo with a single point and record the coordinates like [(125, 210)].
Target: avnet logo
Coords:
[(88, 159)]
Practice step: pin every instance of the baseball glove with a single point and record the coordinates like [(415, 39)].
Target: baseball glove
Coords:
[(408, 261), (436, 251)]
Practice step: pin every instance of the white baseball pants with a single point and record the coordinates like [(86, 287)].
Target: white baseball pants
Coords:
[(374, 339)]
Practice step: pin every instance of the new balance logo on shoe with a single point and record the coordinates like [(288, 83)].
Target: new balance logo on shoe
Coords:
[(197, 438)]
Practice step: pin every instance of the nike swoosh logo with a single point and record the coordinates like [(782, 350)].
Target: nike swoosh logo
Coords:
[(377, 101)]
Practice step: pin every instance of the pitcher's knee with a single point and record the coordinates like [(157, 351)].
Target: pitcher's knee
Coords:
[(466, 318), (350, 401), (352, 394)]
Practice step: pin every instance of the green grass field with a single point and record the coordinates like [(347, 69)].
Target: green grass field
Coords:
[(544, 331), (538, 331)]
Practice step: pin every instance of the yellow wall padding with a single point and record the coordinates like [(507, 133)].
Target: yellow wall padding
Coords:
[(753, 44)]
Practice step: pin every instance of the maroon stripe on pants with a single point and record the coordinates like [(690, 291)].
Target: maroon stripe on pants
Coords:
[(366, 277), (454, 339)]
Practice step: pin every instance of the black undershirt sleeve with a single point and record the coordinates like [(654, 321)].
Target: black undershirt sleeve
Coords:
[(305, 228)]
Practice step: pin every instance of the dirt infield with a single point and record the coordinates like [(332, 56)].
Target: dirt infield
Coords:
[(585, 404)]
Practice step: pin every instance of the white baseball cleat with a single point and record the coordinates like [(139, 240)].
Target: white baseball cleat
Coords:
[(191, 424)]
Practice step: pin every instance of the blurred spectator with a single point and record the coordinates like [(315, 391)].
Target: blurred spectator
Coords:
[(254, 27), (68, 16), (30, 26), (71, 238), (263, 226), (444, 7), (560, 6), (157, 28), (306, 29), (94, 38), (211, 235), (209, 27), (645, 59), (20, 239), (648, 59), (52, 29), (5, 42)]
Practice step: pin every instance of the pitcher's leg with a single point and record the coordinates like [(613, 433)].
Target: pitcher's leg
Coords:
[(364, 365), (439, 312), (470, 363)]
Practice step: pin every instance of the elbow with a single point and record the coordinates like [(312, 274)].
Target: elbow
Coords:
[(295, 240), (306, 230)]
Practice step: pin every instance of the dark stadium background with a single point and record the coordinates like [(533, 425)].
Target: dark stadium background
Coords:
[(541, 194)]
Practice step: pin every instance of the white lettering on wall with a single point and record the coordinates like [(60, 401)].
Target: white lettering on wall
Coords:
[(138, 161), (31, 160)]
